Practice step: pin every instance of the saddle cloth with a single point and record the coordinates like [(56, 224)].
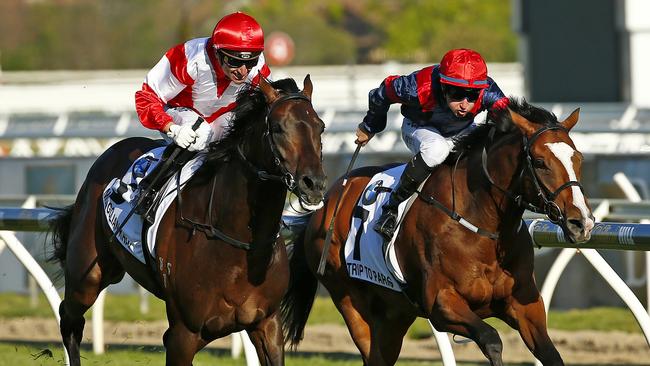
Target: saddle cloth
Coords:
[(131, 236), (365, 255)]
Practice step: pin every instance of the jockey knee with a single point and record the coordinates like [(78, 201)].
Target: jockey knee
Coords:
[(434, 154)]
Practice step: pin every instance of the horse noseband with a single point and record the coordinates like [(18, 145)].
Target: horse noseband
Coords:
[(549, 207), (285, 176)]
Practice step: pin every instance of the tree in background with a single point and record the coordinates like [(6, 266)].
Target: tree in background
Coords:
[(123, 34)]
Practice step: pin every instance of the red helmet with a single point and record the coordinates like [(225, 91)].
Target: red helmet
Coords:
[(465, 68), (238, 32)]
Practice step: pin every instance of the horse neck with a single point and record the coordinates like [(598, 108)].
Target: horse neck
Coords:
[(503, 166), (261, 202)]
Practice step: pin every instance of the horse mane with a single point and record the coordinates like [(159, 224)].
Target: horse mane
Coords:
[(247, 116), (501, 120)]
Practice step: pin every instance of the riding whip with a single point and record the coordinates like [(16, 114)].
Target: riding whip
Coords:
[(330, 230), (155, 179)]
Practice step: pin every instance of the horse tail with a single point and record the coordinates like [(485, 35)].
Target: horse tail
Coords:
[(296, 304), (60, 231)]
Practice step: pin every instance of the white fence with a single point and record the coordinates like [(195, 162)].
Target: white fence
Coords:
[(604, 236), (36, 220)]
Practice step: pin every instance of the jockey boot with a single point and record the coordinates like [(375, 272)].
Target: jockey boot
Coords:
[(150, 191), (415, 173)]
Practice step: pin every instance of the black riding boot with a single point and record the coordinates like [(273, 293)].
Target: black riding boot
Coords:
[(148, 190), (415, 173)]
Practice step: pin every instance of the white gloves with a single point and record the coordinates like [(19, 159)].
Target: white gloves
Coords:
[(181, 130), (183, 136)]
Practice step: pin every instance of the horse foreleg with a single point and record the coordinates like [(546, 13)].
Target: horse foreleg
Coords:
[(530, 320), (451, 313), (268, 340)]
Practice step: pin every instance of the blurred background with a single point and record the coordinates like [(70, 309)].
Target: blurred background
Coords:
[(69, 70)]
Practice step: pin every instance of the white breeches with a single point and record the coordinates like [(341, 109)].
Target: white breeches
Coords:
[(428, 141)]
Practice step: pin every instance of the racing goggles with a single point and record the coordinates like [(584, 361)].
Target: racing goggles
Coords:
[(457, 94), (236, 60)]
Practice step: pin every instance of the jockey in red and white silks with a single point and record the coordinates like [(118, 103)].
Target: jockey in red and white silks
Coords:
[(201, 77)]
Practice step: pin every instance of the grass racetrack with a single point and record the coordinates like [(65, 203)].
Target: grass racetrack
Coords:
[(29, 336)]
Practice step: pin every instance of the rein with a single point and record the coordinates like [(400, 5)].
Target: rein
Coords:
[(286, 177), (548, 208)]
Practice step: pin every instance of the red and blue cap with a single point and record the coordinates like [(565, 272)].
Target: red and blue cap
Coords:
[(464, 68)]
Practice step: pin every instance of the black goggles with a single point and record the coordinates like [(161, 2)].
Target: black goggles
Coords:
[(235, 62), (457, 94)]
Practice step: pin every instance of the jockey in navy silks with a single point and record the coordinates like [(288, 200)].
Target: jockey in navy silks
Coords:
[(439, 104)]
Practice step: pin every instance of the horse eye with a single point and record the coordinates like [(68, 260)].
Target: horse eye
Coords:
[(539, 163), (276, 129)]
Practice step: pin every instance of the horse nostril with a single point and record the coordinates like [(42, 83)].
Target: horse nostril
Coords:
[(576, 224), (307, 182)]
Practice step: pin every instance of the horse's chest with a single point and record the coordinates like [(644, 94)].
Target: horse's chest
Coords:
[(481, 284)]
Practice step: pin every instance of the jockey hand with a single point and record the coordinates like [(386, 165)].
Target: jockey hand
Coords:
[(181, 129), (363, 136), (183, 136), (187, 138)]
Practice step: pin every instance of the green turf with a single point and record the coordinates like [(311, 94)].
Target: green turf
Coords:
[(126, 308), (12, 354)]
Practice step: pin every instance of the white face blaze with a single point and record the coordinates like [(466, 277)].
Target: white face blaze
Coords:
[(563, 152)]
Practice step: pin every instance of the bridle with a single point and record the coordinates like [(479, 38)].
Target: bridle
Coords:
[(548, 206), (285, 176)]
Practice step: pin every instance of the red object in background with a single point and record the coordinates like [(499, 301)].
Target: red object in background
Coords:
[(279, 49)]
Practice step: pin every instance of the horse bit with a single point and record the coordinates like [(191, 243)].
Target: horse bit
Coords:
[(285, 177), (548, 207)]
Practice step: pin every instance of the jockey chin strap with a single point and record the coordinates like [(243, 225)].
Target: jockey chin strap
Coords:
[(549, 207), (286, 177)]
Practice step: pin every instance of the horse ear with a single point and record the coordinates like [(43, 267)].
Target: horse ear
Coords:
[(307, 87), (571, 121), (269, 92), (524, 125)]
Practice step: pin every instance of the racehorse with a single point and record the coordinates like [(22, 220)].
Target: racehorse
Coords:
[(220, 265), (455, 277)]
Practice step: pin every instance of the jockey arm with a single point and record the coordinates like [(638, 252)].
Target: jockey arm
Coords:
[(163, 82), (394, 89), (493, 98)]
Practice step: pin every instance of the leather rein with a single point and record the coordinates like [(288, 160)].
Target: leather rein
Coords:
[(286, 177), (548, 206)]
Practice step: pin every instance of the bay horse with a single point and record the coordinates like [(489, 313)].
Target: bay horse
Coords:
[(221, 266), (455, 277)]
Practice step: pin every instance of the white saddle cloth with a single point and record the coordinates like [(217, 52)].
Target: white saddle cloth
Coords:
[(364, 254), (131, 234)]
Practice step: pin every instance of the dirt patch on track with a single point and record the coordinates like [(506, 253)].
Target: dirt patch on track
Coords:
[(583, 347)]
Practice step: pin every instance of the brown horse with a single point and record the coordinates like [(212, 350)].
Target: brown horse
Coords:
[(455, 276), (220, 265)]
